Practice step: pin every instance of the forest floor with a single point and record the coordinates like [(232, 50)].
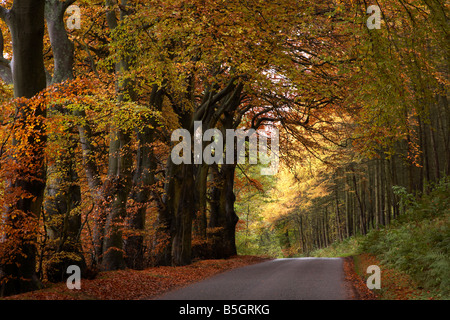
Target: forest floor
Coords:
[(138, 284), (356, 283)]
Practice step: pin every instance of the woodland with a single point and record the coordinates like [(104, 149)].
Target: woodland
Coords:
[(88, 111)]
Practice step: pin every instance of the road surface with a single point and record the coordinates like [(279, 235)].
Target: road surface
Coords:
[(280, 279)]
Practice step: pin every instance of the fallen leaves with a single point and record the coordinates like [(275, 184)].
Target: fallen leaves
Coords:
[(357, 286), (395, 285), (139, 284)]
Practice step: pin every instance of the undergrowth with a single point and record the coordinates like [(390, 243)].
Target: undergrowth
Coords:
[(416, 243)]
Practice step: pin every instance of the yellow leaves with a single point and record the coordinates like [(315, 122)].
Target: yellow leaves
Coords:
[(296, 189), (6, 92)]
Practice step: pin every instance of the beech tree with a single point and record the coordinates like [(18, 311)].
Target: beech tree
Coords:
[(87, 120), (397, 128), (63, 192), (25, 185)]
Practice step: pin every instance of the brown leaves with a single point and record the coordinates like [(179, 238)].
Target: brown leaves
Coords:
[(356, 283), (395, 285), (143, 284)]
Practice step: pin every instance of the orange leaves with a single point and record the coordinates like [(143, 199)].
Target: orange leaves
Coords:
[(18, 232), (395, 285), (357, 286), (146, 284)]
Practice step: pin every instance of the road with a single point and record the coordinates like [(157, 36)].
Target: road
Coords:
[(280, 279)]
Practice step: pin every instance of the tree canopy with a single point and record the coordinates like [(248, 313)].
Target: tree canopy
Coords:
[(88, 114)]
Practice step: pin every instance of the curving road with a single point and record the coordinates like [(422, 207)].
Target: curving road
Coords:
[(280, 279)]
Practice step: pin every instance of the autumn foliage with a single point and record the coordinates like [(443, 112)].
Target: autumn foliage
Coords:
[(87, 119), (140, 284)]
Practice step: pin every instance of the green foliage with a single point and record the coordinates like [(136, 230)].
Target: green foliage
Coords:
[(254, 235), (419, 242), (261, 242), (406, 200), (345, 248)]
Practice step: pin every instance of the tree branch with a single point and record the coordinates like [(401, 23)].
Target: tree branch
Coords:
[(5, 71), (3, 13), (5, 65), (1, 44), (203, 111)]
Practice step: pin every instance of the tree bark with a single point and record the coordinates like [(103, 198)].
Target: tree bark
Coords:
[(143, 179), (174, 230), (223, 217), (5, 65), (184, 214), (63, 193), (200, 222), (118, 182), (26, 23)]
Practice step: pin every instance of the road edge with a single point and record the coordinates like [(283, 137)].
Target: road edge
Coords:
[(355, 284)]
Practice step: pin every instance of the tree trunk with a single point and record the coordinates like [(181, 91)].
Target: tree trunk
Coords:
[(26, 24), (223, 217), (162, 242), (143, 179), (63, 191), (183, 215), (62, 47), (116, 188), (231, 217), (362, 221), (200, 222), (95, 186), (5, 65), (348, 211), (118, 181), (302, 235)]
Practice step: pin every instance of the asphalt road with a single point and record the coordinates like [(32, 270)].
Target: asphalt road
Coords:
[(281, 279)]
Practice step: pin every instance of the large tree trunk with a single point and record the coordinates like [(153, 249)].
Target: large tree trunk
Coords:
[(143, 179), (223, 219), (174, 230), (95, 186), (230, 214), (162, 242), (223, 216), (183, 215), (25, 188), (118, 183), (174, 227), (116, 190), (200, 223), (62, 47), (142, 183), (63, 193)]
